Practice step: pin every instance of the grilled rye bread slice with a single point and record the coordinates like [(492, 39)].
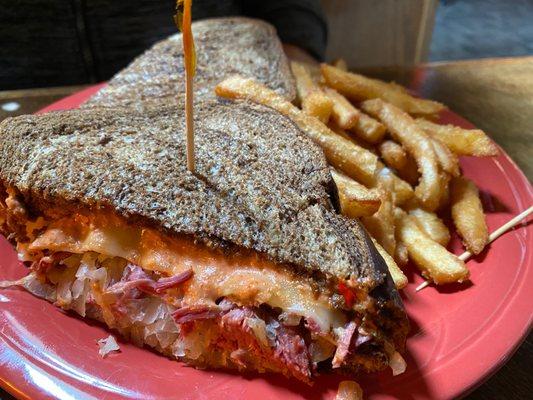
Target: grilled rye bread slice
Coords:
[(261, 186), (224, 47)]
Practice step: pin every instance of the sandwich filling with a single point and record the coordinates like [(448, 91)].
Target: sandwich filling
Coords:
[(207, 305)]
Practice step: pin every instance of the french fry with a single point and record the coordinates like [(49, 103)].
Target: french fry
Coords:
[(342, 132), (396, 157), (355, 199), (467, 214), (346, 116), (369, 129), (393, 154), (398, 87), (343, 113), (317, 105), (520, 218), (401, 190), (448, 161), (404, 129), (304, 82), (400, 280), (431, 225), (314, 71), (352, 138), (340, 63), (432, 259), (358, 88), (401, 256), (381, 224), (313, 100), (464, 142), (356, 162)]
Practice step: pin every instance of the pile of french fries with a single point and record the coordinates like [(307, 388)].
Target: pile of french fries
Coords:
[(395, 169)]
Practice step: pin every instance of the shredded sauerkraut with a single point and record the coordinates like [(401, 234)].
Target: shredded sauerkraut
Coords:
[(397, 364), (34, 286), (107, 345)]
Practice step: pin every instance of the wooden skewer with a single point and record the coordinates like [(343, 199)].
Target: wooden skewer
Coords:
[(189, 123), (183, 19), (493, 236), (190, 61)]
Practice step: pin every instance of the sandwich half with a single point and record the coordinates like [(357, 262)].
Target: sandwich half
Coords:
[(224, 47), (245, 265)]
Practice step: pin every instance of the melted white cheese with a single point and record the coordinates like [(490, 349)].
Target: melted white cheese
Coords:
[(248, 279)]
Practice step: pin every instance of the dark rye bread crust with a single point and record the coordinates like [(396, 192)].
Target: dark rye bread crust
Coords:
[(224, 47), (262, 185)]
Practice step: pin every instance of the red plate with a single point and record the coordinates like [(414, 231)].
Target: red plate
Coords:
[(460, 335)]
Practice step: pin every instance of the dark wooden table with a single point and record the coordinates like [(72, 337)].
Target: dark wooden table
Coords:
[(496, 95)]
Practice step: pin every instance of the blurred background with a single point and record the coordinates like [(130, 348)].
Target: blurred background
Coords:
[(403, 33), (47, 43)]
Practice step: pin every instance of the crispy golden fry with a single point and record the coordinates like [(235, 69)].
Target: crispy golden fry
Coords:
[(431, 225), (313, 100), (314, 71), (396, 157), (404, 129), (381, 224), (304, 82), (401, 190), (398, 87), (351, 136), (355, 199), (464, 142), (318, 106), (401, 256), (367, 128), (357, 87), (338, 130), (340, 63), (349, 390), (342, 132), (393, 154), (356, 162), (448, 161), (433, 260), (344, 114), (467, 214), (400, 280)]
